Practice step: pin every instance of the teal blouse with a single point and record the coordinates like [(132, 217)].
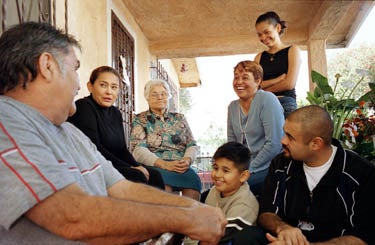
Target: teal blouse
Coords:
[(168, 138)]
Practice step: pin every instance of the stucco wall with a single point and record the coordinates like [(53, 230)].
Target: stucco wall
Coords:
[(87, 22), (90, 22), (169, 67)]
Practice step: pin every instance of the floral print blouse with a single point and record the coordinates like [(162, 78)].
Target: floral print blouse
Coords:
[(168, 138)]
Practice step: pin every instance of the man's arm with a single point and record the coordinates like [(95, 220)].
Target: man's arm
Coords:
[(286, 234), (347, 240), (282, 231), (131, 191), (74, 215)]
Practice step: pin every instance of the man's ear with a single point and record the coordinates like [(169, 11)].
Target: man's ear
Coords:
[(316, 143), (46, 65), (245, 175)]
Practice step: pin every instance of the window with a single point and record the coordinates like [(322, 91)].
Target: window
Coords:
[(123, 62)]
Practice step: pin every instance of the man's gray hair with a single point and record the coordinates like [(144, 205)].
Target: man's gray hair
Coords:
[(21, 47)]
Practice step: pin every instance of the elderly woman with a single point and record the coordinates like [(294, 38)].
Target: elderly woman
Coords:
[(163, 140), (256, 120)]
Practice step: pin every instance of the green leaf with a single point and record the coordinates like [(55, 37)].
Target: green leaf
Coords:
[(317, 92), (321, 83), (314, 100), (370, 95)]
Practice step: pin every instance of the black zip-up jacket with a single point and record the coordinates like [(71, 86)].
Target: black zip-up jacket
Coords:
[(342, 203)]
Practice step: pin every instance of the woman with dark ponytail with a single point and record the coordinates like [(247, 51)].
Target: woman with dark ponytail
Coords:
[(280, 63)]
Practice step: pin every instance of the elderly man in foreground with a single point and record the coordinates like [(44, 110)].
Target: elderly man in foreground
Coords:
[(55, 187)]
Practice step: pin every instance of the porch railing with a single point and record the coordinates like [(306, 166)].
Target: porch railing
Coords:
[(202, 166)]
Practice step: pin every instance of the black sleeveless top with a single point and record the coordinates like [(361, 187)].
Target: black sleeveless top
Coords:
[(274, 65)]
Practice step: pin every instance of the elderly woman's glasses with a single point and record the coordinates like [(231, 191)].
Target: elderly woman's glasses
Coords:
[(157, 95)]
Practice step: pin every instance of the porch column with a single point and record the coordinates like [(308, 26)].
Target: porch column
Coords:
[(317, 60)]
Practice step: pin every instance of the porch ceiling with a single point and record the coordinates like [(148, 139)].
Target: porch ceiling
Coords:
[(195, 28)]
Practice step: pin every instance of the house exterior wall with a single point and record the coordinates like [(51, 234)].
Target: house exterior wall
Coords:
[(90, 22), (87, 22), (143, 57), (169, 67)]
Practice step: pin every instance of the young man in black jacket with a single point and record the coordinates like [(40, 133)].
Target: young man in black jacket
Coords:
[(316, 191)]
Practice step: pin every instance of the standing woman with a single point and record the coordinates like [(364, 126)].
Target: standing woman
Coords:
[(103, 124), (280, 62), (255, 120), (163, 140)]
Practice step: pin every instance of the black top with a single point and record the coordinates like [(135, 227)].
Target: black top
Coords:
[(274, 65), (342, 203), (104, 127)]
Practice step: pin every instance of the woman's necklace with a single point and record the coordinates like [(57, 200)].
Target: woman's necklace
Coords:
[(243, 133), (275, 51), (272, 56)]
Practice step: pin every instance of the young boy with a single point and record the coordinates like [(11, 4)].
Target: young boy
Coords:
[(232, 194)]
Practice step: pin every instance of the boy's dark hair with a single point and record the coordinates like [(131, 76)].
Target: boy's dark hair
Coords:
[(236, 152), (21, 47)]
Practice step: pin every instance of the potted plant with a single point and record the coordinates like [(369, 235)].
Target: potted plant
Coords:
[(339, 104), (359, 132)]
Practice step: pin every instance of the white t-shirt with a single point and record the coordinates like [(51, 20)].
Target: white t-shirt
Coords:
[(315, 174)]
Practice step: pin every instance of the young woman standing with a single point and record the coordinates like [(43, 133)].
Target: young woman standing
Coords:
[(280, 63)]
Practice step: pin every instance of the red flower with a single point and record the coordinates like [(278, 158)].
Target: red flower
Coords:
[(358, 130), (362, 103)]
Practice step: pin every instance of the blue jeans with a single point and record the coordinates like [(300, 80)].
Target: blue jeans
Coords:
[(256, 181), (288, 103)]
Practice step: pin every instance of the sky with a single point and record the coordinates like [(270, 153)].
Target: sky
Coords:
[(211, 99)]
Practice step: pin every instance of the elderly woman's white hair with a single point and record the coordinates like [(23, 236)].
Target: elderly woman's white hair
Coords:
[(152, 83)]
